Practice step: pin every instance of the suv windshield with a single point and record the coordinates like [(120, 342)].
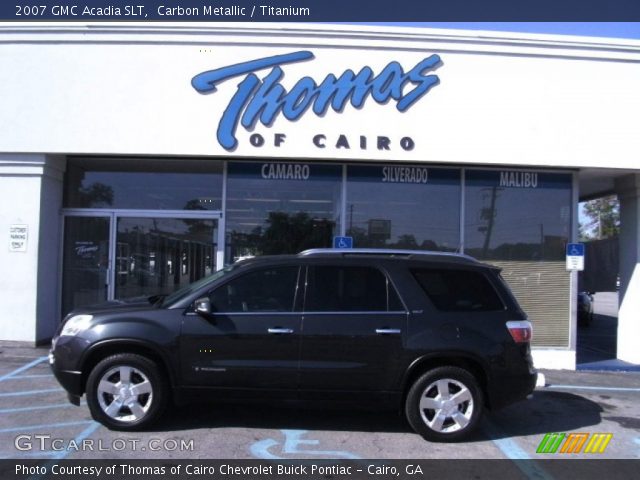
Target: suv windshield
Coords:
[(192, 287)]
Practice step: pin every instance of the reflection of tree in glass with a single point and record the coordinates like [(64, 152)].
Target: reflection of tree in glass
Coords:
[(96, 195), (361, 239), (292, 233), (197, 227), (244, 244), (488, 214), (407, 242)]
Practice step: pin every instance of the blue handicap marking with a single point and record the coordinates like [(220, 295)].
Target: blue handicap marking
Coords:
[(575, 249), (342, 242), (294, 445)]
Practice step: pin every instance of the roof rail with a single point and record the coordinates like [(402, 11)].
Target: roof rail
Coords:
[(380, 251)]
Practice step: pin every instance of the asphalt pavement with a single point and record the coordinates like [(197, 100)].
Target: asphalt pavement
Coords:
[(37, 422)]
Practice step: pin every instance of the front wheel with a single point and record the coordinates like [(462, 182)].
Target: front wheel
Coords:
[(126, 392), (445, 404)]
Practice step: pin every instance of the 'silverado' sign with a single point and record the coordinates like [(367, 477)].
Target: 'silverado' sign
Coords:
[(264, 99)]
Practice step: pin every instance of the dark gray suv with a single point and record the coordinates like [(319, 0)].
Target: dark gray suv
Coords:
[(437, 336)]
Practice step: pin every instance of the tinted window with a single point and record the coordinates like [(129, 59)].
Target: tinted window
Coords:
[(267, 290), (278, 207), (167, 184), (403, 206), (458, 290), (351, 289), (517, 215)]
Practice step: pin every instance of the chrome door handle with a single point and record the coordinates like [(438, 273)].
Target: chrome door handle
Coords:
[(388, 331), (280, 331)]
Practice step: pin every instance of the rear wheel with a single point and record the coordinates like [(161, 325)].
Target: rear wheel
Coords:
[(445, 404), (126, 392)]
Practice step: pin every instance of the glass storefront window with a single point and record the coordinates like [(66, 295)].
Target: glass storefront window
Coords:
[(156, 256), (403, 206), (278, 207), (520, 221), (517, 215), (517, 220), (141, 184)]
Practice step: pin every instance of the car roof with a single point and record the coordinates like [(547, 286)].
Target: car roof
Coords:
[(396, 254)]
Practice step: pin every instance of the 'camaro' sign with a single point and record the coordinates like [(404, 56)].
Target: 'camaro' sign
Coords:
[(264, 99)]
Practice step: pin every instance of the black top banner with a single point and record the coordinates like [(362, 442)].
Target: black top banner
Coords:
[(322, 10)]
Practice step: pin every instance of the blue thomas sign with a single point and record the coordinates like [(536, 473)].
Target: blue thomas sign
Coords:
[(264, 99)]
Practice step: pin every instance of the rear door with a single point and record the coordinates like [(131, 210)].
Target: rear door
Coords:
[(252, 340), (352, 330)]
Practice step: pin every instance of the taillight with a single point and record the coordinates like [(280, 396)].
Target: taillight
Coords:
[(520, 330)]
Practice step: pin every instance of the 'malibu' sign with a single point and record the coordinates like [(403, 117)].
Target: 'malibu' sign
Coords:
[(263, 99)]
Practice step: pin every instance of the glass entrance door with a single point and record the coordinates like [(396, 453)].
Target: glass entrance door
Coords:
[(85, 277), (125, 254), (158, 255)]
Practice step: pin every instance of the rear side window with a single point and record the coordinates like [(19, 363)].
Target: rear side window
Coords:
[(350, 289), (458, 290)]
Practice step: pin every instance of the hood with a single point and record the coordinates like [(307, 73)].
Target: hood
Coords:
[(134, 303)]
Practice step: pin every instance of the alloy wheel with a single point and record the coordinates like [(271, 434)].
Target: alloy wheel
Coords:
[(125, 394)]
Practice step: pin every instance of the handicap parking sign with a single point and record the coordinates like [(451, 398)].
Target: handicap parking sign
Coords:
[(342, 242), (575, 249), (575, 256)]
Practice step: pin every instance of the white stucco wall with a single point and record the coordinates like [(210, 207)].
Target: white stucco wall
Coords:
[(31, 195), (49, 248), (20, 187), (628, 190), (554, 359), (540, 101)]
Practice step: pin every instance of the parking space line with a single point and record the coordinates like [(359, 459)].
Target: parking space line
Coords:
[(23, 368), (44, 426), (30, 392), (510, 448), (5, 456), (47, 454), (39, 407), (64, 453), (25, 377), (79, 439), (585, 387)]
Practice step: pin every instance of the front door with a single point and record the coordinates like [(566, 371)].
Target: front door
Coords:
[(252, 339), (85, 278)]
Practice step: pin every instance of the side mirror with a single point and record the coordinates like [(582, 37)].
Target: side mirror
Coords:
[(203, 306)]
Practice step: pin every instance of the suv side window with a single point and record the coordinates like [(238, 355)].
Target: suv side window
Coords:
[(350, 289), (265, 290), (458, 290)]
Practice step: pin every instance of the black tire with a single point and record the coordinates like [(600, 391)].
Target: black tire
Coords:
[(131, 405), (459, 417)]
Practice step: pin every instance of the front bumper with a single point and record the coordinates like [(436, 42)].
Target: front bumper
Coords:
[(71, 381), (63, 360)]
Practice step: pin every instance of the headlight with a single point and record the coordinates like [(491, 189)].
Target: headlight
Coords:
[(75, 325)]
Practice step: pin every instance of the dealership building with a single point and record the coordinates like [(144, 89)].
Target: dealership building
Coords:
[(136, 158)]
